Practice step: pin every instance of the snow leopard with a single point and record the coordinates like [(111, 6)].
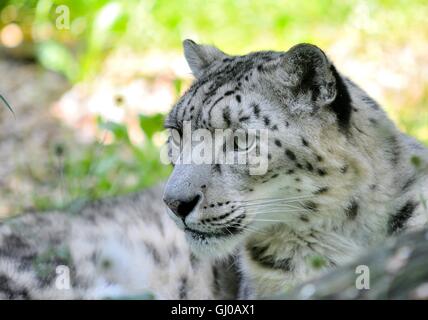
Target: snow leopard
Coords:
[(341, 178)]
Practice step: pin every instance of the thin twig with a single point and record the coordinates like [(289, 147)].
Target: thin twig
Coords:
[(8, 105)]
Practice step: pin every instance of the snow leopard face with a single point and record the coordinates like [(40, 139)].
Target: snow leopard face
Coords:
[(290, 102)]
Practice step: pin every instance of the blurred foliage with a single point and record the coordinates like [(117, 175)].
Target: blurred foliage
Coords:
[(101, 170), (98, 27)]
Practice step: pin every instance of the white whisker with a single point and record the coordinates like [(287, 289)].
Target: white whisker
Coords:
[(273, 220), (273, 210), (263, 200), (268, 204)]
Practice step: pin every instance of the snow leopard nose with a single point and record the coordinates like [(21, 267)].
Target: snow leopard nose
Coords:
[(182, 208)]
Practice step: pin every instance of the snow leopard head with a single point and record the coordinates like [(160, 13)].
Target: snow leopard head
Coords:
[(298, 98)]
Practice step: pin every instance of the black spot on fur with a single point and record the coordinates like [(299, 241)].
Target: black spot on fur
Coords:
[(398, 220), (10, 290), (321, 190), (290, 154), (182, 291), (352, 210), (393, 150), (304, 142), (309, 166), (310, 205), (259, 254), (341, 105), (319, 158), (370, 101), (304, 218), (244, 118), (278, 143), (322, 172), (266, 120), (238, 98), (153, 252), (226, 116), (14, 242), (216, 168), (228, 93), (256, 110)]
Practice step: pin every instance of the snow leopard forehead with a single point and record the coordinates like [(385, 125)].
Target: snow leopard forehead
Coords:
[(223, 80), (301, 80)]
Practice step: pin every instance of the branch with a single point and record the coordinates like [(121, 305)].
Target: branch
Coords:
[(398, 270)]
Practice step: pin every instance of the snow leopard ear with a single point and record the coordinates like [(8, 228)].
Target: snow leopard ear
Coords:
[(199, 57), (307, 71)]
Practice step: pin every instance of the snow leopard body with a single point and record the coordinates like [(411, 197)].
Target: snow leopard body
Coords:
[(341, 178)]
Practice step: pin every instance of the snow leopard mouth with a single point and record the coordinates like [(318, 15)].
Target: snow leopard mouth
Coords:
[(221, 233), (230, 229), (219, 238)]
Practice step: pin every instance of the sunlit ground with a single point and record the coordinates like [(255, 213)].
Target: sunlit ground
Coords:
[(96, 131)]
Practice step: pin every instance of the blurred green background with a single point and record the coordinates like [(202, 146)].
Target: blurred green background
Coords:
[(90, 81)]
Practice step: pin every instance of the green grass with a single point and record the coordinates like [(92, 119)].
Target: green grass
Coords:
[(99, 170)]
